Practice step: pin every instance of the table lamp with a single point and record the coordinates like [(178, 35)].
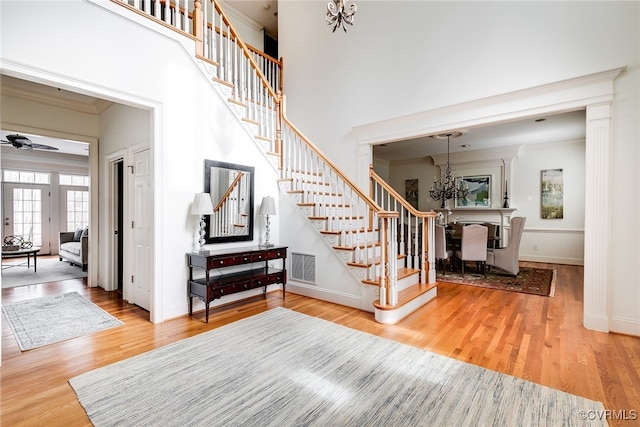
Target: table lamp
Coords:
[(267, 207), (202, 206)]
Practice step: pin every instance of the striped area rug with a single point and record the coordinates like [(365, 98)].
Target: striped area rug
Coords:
[(283, 368)]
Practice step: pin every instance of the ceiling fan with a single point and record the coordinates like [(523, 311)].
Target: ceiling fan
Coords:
[(23, 143)]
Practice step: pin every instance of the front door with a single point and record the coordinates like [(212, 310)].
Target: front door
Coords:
[(25, 212)]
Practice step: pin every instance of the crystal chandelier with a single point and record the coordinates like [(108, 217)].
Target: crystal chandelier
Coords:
[(338, 16), (445, 189)]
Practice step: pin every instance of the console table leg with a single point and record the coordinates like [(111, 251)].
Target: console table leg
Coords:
[(206, 316)]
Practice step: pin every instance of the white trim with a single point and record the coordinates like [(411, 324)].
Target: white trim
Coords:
[(551, 260), (323, 294), (29, 73), (109, 282), (595, 93), (563, 96), (554, 230), (393, 316), (624, 326)]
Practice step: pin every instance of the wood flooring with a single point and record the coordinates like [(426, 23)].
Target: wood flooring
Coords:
[(540, 339)]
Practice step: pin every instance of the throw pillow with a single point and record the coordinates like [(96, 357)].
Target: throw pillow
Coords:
[(85, 232), (77, 234)]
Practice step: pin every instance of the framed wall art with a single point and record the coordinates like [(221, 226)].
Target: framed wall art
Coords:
[(473, 191), (411, 192), (552, 189)]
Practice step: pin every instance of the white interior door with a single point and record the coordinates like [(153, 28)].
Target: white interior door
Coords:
[(25, 212), (142, 228)]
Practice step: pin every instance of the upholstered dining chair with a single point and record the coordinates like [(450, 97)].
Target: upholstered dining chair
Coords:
[(442, 254), (493, 234), (473, 246), (507, 258)]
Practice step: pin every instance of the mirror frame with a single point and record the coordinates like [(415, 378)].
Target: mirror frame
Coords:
[(208, 165)]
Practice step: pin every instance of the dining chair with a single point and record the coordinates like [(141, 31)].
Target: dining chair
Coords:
[(492, 230), (473, 246), (507, 258), (442, 254)]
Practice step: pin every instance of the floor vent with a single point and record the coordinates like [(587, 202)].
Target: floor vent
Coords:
[(303, 267)]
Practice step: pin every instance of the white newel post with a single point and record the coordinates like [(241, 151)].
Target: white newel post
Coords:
[(393, 261), (431, 243)]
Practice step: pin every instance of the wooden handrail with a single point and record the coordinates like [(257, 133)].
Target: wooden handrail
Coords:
[(325, 159), (373, 175), (245, 49), (226, 195)]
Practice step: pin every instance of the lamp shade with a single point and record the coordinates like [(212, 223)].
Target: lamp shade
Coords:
[(202, 204), (268, 206)]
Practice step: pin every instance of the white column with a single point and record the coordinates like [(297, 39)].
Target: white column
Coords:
[(597, 224)]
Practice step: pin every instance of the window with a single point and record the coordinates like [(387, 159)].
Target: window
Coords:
[(79, 180), (26, 177), (77, 209)]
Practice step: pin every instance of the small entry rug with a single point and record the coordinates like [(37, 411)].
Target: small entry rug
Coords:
[(50, 269), (47, 320), (537, 281), (283, 368)]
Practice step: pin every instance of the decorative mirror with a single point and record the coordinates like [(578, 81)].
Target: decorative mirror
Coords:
[(231, 189)]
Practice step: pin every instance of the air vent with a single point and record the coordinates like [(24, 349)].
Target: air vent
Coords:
[(303, 267)]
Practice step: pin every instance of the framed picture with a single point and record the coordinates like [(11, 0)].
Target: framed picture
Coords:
[(473, 191), (411, 192), (552, 190)]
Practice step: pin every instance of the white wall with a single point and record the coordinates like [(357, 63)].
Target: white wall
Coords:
[(551, 240), (121, 60), (544, 240), (403, 58)]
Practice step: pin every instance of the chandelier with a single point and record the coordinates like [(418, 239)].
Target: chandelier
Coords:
[(338, 16), (446, 188)]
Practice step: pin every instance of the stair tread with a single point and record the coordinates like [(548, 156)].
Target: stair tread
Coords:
[(353, 248), (338, 232), (402, 273), (407, 295), (375, 260)]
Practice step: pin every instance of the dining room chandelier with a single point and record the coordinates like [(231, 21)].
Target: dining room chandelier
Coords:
[(338, 16), (445, 188)]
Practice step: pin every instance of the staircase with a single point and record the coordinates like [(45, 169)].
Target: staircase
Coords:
[(381, 240)]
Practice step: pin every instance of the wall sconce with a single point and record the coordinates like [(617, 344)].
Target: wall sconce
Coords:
[(202, 206), (267, 207)]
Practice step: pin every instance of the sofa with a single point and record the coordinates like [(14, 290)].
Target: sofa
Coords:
[(74, 247)]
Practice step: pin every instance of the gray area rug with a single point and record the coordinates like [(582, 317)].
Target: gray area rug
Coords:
[(283, 368), (47, 320), (49, 270)]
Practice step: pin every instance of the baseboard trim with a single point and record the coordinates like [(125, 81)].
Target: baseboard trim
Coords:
[(311, 291), (624, 326), (551, 260)]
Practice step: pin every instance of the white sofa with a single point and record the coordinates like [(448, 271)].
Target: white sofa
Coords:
[(76, 251)]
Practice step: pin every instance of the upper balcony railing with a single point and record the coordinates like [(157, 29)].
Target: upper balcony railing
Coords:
[(207, 23)]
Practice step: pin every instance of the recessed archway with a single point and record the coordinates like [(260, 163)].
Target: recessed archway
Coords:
[(593, 92)]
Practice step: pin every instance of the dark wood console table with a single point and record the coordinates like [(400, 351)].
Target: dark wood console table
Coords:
[(229, 281)]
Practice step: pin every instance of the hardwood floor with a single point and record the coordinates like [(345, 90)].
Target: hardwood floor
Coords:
[(536, 338)]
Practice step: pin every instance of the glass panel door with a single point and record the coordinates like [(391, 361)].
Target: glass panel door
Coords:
[(26, 213)]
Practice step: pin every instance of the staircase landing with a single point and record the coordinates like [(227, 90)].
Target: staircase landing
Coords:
[(409, 300)]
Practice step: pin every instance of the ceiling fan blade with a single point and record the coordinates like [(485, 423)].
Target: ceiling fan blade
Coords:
[(42, 147)]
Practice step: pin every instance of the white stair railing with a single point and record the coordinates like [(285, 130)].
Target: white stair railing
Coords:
[(415, 230), (360, 223)]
